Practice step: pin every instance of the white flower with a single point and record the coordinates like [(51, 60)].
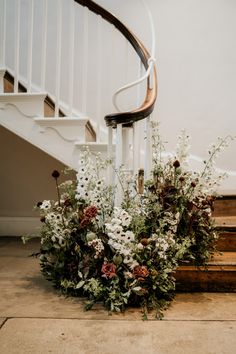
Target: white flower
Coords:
[(140, 246), (45, 205), (129, 236)]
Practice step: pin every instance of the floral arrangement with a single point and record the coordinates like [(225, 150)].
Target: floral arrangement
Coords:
[(127, 255)]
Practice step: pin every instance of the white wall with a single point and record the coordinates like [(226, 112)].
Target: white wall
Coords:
[(196, 57)]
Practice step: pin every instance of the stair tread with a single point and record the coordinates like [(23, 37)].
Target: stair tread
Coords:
[(226, 260), (225, 221)]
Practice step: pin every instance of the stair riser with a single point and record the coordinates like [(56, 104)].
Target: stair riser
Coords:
[(225, 207), (213, 281), (227, 242)]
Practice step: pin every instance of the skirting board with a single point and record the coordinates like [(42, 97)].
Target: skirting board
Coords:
[(19, 226)]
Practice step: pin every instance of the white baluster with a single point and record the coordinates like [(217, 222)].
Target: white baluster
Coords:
[(58, 58), (126, 148), (30, 45), (17, 45), (3, 36), (136, 128), (136, 147), (99, 78), (118, 164), (71, 56), (85, 61), (110, 155), (44, 43), (148, 148)]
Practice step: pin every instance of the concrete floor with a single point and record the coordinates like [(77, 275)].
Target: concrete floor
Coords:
[(35, 319)]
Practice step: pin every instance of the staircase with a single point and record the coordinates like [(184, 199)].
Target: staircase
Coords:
[(220, 274), (31, 116)]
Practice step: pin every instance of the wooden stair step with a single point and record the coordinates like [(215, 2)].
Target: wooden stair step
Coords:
[(227, 241), (220, 275), (225, 206), (225, 222)]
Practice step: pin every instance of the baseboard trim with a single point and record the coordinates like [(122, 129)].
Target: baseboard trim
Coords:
[(19, 225)]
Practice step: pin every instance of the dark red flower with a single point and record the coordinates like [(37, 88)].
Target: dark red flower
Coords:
[(90, 212), (109, 270), (176, 164), (55, 174), (84, 222)]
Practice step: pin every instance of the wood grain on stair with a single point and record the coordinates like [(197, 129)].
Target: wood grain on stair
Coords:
[(218, 275), (225, 221)]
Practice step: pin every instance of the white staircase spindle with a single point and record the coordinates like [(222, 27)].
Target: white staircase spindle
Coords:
[(44, 44), (99, 77), (126, 148), (136, 147), (30, 45), (148, 148), (3, 36), (136, 128), (17, 44), (118, 164), (58, 57), (110, 155), (71, 56), (85, 61)]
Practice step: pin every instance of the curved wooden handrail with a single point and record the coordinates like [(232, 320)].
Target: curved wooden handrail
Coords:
[(128, 118)]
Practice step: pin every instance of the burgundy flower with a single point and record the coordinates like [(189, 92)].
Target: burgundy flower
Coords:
[(90, 212), (176, 164), (109, 270), (84, 222), (55, 174)]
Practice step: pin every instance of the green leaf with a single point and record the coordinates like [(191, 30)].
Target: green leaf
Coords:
[(80, 284)]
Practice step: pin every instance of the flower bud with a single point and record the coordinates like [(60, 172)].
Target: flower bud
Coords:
[(55, 174), (176, 164), (117, 259), (154, 273), (144, 241), (90, 236)]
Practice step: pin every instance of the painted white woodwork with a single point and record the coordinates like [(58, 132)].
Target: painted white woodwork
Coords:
[(71, 58), (118, 163), (44, 44), (110, 155), (23, 115), (3, 33), (70, 129), (17, 45), (30, 45), (85, 60), (19, 225), (58, 57)]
